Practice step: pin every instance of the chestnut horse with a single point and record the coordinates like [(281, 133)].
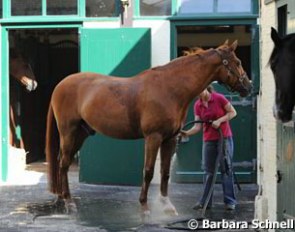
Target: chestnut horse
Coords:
[(152, 105), (282, 63), (21, 71)]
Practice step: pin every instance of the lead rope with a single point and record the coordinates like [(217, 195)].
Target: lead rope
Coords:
[(217, 161)]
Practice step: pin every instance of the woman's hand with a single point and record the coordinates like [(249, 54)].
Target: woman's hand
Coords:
[(216, 124), (183, 134)]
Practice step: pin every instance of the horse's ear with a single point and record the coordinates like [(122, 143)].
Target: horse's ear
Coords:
[(234, 45), (275, 37), (185, 53)]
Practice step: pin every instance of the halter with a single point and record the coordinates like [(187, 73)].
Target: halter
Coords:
[(241, 78)]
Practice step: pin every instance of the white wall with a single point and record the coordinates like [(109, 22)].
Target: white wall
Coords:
[(266, 201), (1, 110), (160, 39), (102, 24)]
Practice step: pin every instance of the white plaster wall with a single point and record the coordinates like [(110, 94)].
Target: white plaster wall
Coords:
[(160, 30), (160, 33), (102, 24), (266, 201), (1, 108)]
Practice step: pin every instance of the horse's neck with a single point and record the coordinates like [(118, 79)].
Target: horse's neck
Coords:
[(14, 71), (191, 77)]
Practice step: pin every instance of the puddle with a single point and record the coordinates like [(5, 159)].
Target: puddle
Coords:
[(111, 215)]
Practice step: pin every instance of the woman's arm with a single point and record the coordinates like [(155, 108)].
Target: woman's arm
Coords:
[(195, 129), (230, 114)]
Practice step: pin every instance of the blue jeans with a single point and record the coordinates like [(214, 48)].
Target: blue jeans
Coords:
[(210, 154)]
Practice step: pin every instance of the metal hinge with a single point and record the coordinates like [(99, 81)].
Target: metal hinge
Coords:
[(279, 176)]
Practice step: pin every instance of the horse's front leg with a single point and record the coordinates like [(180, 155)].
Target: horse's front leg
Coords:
[(152, 144), (167, 150)]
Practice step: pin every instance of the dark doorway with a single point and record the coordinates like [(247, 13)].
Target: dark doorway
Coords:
[(213, 36), (52, 55), (282, 20)]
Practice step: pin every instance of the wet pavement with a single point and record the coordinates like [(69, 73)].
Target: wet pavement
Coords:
[(26, 205)]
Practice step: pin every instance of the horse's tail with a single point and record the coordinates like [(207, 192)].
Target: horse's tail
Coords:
[(52, 152)]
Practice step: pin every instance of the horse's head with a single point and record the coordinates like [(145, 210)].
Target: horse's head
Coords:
[(282, 63), (231, 72), (21, 70)]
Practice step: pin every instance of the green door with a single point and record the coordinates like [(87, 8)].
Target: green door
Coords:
[(285, 172), (4, 107), (120, 52), (187, 162)]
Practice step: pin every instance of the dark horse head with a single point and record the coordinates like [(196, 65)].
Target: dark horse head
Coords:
[(282, 63)]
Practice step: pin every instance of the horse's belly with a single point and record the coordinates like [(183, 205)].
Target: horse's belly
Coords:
[(113, 126), (119, 132)]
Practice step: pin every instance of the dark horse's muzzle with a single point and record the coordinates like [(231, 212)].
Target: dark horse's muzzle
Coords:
[(283, 108)]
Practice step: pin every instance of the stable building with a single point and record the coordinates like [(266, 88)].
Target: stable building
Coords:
[(123, 38), (276, 169)]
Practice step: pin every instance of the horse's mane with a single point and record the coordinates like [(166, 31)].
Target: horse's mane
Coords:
[(193, 51), (186, 57)]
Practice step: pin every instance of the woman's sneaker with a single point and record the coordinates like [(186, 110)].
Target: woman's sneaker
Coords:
[(230, 207), (200, 206)]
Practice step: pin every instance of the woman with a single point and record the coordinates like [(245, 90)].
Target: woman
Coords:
[(214, 107)]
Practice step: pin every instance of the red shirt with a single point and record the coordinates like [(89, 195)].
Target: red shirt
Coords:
[(214, 111)]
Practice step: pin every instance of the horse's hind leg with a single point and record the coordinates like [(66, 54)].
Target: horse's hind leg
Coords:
[(152, 144), (66, 153), (167, 150), (70, 143)]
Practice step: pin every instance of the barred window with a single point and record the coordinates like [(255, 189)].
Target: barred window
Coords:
[(215, 6), (196, 6), (102, 8), (225, 6), (155, 7), (28, 7), (1, 15), (62, 7)]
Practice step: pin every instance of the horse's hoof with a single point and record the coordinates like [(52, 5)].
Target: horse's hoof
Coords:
[(168, 207), (146, 213), (59, 202), (171, 211), (144, 207), (146, 216), (70, 207)]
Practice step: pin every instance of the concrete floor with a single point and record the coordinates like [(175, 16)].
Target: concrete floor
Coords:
[(26, 205)]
